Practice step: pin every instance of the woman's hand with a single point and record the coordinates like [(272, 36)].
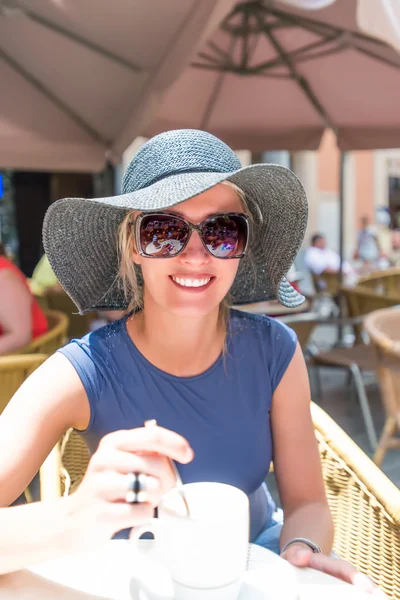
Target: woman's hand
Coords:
[(98, 508), (300, 555)]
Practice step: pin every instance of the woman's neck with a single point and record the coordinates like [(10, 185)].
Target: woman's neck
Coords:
[(183, 347)]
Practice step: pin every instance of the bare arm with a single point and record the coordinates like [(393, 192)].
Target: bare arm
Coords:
[(296, 460), (49, 402), (46, 530), (15, 312)]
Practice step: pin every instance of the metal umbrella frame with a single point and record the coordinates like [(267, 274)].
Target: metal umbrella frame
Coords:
[(249, 20)]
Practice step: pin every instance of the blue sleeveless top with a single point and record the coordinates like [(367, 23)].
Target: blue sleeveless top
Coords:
[(224, 412)]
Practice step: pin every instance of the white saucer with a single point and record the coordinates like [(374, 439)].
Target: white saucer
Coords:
[(107, 572)]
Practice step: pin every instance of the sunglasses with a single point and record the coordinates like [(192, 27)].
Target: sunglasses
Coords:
[(165, 235)]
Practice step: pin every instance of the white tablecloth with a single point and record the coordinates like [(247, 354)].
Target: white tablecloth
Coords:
[(106, 573)]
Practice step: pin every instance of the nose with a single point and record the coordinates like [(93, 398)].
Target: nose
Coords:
[(195, 253)]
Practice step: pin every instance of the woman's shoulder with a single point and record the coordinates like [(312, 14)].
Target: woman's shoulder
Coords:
[(102, 340), (245, 321), (269, 331)]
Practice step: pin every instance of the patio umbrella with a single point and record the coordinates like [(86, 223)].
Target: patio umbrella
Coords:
[(79, 77), (380, 18), (275, 77)]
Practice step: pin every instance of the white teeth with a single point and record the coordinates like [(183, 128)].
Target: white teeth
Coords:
[(191, 282)]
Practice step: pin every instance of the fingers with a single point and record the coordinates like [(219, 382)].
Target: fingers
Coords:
[(127, 462), (344, 570), (109, 459), (151, 439), (298, 555), (367, 585), (341, 569), (130, 515), (113, 487)]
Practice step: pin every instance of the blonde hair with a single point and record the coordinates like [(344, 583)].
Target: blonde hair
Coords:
[(130, 273)]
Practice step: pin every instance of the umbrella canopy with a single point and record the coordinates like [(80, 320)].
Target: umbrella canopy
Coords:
[(274, 77), (79, 78)]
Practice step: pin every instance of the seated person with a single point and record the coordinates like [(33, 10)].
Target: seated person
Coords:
[(44, 280), (21, 318), (320, 259), (369, 249)]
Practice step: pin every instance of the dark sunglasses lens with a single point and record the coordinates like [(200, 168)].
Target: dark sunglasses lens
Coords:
[(162, 235), (225, 236)]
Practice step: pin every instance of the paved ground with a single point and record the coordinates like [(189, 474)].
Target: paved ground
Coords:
[(343, 407)]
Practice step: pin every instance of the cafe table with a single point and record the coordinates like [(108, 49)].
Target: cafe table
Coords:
[(273, 308), (106, 573)]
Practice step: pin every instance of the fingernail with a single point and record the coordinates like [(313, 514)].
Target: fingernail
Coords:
[(364, 582), (189, 453), (378, 593)]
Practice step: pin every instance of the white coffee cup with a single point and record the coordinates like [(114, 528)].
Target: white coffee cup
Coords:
[(206, 551)]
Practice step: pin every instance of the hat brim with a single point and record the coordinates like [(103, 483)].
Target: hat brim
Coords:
[(80, 235)]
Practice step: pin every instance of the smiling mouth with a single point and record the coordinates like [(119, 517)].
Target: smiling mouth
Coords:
[(192, 283)]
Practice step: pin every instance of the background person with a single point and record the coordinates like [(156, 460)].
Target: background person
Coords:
[(21, 318), (321, 259), (44, 280), (368, 249)]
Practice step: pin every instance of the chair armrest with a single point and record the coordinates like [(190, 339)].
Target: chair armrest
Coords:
[(50, 482), (343, 321)]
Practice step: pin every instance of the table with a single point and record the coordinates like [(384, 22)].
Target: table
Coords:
[(105, 574), (273, 308)]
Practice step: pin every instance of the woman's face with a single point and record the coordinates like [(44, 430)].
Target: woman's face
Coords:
[(167, 280)]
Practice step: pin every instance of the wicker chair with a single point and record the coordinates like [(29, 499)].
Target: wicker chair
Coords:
[(303, 325), (326, 283), (385, 282), (361, 300), (50, 341), (364, 503), (14, 369), (79, 325), (64, 468), (383, 327)]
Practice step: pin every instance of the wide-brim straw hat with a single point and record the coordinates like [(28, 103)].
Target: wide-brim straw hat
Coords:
[(80, 235)]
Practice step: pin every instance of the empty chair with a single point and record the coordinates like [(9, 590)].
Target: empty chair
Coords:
[(79, 325), (383, 328), (364, 503), (14, 369), (53, 339)]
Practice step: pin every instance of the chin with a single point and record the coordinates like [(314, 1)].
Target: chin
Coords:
[(188, 311)]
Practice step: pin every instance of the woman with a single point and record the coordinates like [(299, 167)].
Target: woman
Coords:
[(191, 228), (21, 318)]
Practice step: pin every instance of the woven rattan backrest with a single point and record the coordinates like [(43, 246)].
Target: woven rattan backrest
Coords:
[(365, 505), (54, 338), (383, 328), (303, 325), (326, 282), (362, 301), (74, 461), (14, 369), (79, 325), (385, 282)]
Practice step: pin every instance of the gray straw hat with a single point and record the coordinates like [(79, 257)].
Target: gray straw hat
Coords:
[(80, 235)]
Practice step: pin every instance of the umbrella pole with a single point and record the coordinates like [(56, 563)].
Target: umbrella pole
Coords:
[(342, 172)]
